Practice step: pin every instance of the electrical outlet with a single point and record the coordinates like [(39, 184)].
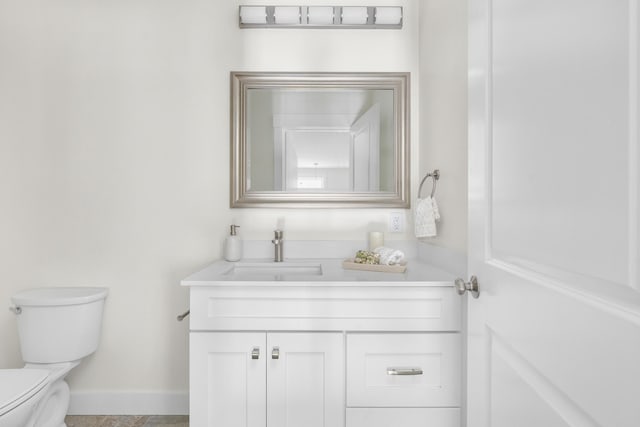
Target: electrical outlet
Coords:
[(396, 222)]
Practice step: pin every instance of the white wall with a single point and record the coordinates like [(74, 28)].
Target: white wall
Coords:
[(114, 155), (443, 114)]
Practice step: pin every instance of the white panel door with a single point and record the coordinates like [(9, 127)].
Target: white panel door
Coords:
[(227, 380), (554, 339), (305, 380)]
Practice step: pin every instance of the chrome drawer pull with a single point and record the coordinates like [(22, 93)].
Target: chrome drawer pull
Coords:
[(255, 353), (275, 353), (404, 371)]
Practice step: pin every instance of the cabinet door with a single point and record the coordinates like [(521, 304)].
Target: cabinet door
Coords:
[(306, 380), (227, 383)]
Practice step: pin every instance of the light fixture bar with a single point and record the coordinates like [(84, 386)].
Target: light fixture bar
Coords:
[(317, 17)]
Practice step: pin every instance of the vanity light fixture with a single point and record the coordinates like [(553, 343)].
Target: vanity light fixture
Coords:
[(314, 17), (286, 15), (320, 15), (253, 15), (355, 15)]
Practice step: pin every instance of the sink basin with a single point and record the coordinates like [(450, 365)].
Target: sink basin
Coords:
[(274, 270)]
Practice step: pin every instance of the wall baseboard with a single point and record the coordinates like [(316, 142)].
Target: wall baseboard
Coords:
[(129, 403)]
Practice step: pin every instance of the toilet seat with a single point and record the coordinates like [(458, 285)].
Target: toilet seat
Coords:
[(19, 385)]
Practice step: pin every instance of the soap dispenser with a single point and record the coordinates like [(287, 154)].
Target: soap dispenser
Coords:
[(233, 245)]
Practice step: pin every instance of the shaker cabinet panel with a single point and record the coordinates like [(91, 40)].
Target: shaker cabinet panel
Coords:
[(227, 380), (305, 379), (403, 370), (275, 307)]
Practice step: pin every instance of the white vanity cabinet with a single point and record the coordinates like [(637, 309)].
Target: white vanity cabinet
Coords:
[(341, 353), (253, 379)]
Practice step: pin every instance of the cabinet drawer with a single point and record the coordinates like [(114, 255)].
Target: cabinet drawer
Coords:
[(403, 370), (405, 417)]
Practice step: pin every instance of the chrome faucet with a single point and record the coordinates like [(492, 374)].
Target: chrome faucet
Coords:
[(278, 241)]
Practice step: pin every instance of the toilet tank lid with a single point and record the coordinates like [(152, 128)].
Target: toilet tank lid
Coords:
[(18, 385), (59, 296)]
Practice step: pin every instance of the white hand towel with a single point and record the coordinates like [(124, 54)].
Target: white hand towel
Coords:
[(389, 256), (426, 215), (436, 211)]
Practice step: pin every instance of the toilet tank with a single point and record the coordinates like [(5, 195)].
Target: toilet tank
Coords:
[(59, 324)]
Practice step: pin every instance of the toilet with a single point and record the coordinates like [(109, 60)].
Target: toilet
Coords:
[(57, 327)]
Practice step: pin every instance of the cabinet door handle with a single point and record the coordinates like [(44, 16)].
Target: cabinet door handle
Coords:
[(255, 353), (275, 353), (404, 371)]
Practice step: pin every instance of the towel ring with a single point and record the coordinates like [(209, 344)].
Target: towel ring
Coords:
[(435, 175)]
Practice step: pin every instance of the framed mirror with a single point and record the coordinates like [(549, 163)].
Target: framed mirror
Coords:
[(319, 140)]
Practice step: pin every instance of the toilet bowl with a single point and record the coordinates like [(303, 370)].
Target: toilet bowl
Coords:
[(57, 327), (20, 392)]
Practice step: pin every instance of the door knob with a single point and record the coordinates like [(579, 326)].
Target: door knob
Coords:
[(471, 286)]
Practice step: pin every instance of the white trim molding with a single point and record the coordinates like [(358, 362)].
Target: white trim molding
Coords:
[(129, 403)]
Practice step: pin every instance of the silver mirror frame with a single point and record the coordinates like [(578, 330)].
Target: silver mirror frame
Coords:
[(241, 82)]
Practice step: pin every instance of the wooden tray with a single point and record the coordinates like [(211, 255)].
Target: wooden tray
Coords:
[(349, 264)]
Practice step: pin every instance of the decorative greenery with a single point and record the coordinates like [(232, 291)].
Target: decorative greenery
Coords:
[(367, 257)]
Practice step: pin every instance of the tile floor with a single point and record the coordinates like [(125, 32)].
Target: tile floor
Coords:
[(127, 421)]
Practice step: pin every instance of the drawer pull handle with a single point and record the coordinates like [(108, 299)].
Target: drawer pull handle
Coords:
[(404, 371), (275, 353), (255, 353)]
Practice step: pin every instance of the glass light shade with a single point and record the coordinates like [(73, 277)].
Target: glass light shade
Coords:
[(320, 15), (354, 15), (287, 15), (253, 14), (388, 15)]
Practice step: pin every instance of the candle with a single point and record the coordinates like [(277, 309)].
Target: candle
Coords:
[(376, 239)]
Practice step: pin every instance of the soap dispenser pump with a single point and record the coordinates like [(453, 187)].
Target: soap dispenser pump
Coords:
[(233, 245)]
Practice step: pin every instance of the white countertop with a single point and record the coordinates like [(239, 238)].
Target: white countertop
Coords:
[(326, 270)]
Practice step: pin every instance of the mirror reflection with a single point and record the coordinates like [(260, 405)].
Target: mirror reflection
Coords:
[(322, 139), (319, 140)]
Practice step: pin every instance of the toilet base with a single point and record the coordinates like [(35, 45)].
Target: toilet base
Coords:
[(53, 406)]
